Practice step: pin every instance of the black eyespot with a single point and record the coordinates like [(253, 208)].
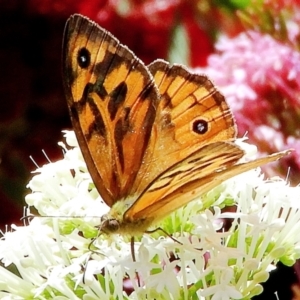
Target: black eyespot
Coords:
[(84, 58), (200, 126)]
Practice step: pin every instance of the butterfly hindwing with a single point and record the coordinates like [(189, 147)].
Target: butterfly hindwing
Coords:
[(164, 194), (191, 113), (197, 110), (191, 178)]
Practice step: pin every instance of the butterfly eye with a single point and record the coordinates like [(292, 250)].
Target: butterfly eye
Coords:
[(84, 58), (200, 126), (109, 225), (113, 225)]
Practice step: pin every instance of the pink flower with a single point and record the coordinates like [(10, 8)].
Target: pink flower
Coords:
[(260, 78)]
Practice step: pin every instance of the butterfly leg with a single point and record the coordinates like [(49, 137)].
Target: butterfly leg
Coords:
[(134, 259), (166, 233), (132, 248)]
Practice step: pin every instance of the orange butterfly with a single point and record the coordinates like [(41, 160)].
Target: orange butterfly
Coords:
[(153, 137)]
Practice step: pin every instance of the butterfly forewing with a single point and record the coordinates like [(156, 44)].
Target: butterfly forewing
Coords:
[(112, 100)]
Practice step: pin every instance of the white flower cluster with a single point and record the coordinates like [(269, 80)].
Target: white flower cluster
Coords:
[(62, 255)]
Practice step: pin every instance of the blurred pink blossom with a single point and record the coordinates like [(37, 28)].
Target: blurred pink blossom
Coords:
[(260, 78)]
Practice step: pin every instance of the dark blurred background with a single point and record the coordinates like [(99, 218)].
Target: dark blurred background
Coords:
[(33, 109)]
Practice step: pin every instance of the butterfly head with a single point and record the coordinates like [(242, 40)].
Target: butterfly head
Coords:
[(109, 225), (116, 221)]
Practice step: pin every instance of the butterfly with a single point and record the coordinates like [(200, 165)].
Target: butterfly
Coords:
[(153, 137)]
